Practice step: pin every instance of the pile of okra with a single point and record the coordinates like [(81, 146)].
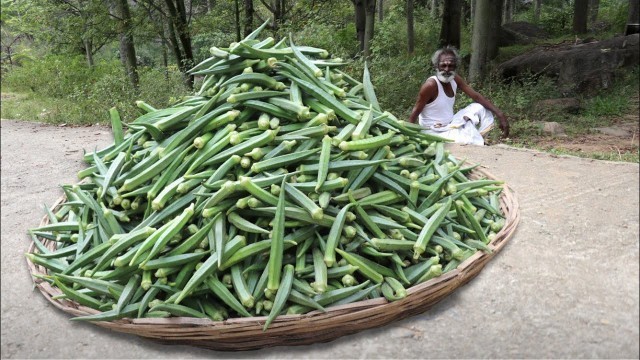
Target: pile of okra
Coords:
[(278, 187)]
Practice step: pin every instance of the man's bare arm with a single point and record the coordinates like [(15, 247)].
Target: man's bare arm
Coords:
[(428, 92)]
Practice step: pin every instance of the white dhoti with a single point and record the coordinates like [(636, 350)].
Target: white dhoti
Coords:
[(468, 126)]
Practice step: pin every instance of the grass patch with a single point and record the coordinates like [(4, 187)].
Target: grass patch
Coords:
[(68, 92), (31, 107)]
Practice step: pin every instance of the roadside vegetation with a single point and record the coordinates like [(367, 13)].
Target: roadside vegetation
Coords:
[(51, 85)]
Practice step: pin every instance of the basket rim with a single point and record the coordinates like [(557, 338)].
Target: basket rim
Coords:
[(302, 329)]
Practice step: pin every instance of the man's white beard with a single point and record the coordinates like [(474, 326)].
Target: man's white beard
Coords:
[(444, 78)]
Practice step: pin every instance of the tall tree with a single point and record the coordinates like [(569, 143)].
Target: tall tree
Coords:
[(360, 21), (580, 16), (236, 13), (380, 10), (410, 29), (181, 37), (465, 12), (172, 21), (507, 10), (70, 27), (127, 46), (166, 33), (434, 8), (495, 28), (279, 10), (481, 33), (450, 25), (537, 9), (370, 18), (248, 17), (594, 8), (633, 20)]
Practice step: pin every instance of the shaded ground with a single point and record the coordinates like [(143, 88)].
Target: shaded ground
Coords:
[(620, 137)]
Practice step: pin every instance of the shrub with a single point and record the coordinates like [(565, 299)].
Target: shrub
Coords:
[(73, 93), (340, 40), (397, 81), (55, 75)]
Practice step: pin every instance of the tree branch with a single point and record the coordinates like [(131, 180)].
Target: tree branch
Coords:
[(269, 7)]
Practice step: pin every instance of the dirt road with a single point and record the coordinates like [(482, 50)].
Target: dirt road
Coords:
[(565, 286)]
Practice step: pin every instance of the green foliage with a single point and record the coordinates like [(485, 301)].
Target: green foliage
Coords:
[(613, 15), (519, 96), (606, 106), (397, 81), (556, 20), (391, 34), (202, 42), (614, 101), (65, 90), (56, 76), (339, 40), (556, 17), (61, 26)]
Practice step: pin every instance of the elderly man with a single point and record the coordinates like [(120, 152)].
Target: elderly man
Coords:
[(434, 106)]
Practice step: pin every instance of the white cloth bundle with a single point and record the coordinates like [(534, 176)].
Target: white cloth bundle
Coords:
[(467, 126)]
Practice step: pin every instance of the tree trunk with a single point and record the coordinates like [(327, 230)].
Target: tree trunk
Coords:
[(410, 30), (173, 41), (465, 13), (370, 19), (633, 21), (380, 10), (127, 48), (481, 33), (496, 23), (248, 17), (513, 9), (88, 49), (580, 12), (360, 17), (178, 16), (165, 59), (236, 10), (434, 8), (506, 11), (594, 7), (277, 14), (536, 11), (472, 11), (450, 28)]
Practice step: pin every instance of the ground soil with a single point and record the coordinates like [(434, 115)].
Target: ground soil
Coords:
[(621, 136), (597, 142)]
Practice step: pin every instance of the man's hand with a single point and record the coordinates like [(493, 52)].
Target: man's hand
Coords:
[(504, 125)]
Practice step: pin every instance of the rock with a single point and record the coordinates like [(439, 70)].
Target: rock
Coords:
[(576, 66), (553, 128), (520, 32), (555, 106), (613, 131)]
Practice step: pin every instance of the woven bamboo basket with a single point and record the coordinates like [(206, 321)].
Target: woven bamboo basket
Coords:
[(238, 334)]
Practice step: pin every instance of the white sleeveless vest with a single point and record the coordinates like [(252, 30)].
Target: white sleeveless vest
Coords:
[(440, 110)]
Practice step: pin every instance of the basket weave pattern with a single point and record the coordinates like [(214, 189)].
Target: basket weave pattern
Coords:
[(287, 330)]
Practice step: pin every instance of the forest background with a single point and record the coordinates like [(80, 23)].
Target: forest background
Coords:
[(67, 62)]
